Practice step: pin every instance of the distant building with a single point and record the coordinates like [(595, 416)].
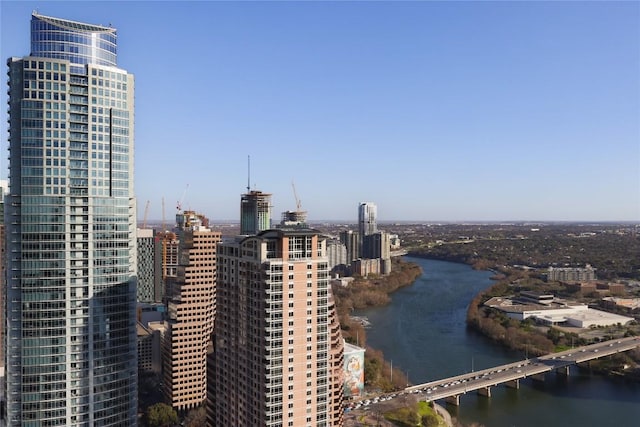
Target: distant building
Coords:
[(351, 241), (366, 266), (167, 245), (535, 298), (337, 253), (583, 288), (571, 274), (342, 281), (151, 312), (149, 350), (394, 242), (367, 221), (577, 315), (629, 303), (150, 342), (616, 289), (255, 212), (147, 266)]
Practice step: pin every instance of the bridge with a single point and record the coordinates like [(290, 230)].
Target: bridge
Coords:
[(510, 374)]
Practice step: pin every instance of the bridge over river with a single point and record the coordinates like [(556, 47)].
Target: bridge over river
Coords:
[(510, 374)]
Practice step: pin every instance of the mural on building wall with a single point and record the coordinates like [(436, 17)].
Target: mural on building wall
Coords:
[(354, 379)]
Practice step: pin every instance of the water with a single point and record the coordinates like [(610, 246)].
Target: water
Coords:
[(423, 332)]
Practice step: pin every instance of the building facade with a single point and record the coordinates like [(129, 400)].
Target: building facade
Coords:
[(71, 330), (571, 274), (150, 287), (351, 241), (4, 187), (191, 310), (367, 218), (255, 212), (337, 254), (275, 359)]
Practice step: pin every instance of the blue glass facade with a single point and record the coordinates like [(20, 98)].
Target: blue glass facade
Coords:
[(76, 42), (71, 252)]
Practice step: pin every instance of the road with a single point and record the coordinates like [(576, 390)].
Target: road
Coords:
[(510, 373)]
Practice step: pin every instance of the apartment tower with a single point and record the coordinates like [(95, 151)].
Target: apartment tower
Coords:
[(191, 310), (276, 341), (367, 218), (71, 256)]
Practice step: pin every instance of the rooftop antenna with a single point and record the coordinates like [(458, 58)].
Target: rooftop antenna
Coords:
[(248, 173)]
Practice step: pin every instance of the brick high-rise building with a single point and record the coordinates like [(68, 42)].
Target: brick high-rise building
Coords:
[(277, 348), (191, 311)]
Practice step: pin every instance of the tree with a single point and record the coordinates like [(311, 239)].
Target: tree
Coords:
[(430, 420), (161, 415), (196, 417)]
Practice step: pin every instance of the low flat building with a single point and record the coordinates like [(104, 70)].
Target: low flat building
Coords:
[(577, 315), (630, 303), (593, 318)]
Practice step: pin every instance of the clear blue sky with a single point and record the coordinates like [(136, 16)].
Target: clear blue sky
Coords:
[(435, 111)]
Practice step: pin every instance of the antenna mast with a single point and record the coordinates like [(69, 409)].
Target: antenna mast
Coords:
[(248, 173)]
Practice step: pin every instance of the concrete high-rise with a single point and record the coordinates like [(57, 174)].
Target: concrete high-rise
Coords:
[(255, 212), (71, 256), (277, 353), (191, 297)]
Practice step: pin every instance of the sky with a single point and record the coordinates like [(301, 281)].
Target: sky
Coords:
[(435, 111)]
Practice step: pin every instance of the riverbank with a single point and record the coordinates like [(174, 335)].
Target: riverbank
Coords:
[(423, 331), (371, 292)]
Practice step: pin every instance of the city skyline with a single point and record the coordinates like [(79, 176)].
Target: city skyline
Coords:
[(434, 111)]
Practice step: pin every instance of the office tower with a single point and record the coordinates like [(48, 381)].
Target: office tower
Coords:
[(191, 311), (149, 267), (273, 359), (255, 212), (367, 219), (71, 291)]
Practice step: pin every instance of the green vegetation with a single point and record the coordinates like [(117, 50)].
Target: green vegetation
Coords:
[(161, 415), (611, 248), (421, 414)]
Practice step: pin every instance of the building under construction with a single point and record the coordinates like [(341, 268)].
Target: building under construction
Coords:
[(255, 212)]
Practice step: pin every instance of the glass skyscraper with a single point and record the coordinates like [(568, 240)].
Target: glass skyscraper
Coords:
[(71, 355)]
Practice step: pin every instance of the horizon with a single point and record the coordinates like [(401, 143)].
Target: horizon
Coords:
[(451, 110), (429, 222)]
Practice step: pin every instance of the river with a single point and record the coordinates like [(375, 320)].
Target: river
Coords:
[(423, 332)]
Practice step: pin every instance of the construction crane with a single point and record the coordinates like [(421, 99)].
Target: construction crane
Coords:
[(295, 195), (179, 205), (146, 214), (163, 220)]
